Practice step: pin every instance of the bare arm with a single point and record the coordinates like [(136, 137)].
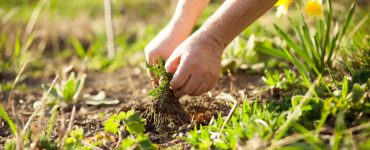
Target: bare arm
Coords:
[(232, 18), (196, 62), (177, 30), (187, 14)]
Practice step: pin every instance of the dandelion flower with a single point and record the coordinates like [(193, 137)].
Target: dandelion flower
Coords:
[(314, 8), (282, 7)]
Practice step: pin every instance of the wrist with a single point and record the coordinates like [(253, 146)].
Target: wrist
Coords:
[(212, 39)]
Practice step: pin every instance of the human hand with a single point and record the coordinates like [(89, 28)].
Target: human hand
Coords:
[(162, 46), (196, 65)]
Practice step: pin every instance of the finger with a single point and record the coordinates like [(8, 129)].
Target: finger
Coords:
[(152, 79), (190, 86), (201, 89), (181, 76), (210, 87), (172, 63)]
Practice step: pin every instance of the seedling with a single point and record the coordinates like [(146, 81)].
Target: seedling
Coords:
[(68, 91), (131, 121), (165, 112)]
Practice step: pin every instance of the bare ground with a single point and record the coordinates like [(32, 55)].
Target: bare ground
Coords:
[(130, 86)]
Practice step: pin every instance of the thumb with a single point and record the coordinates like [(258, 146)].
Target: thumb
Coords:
[(172, 63)]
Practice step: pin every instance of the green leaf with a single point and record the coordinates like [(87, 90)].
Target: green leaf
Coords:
[(111, 126), (357, 93), (121, 116), (296, 99), (5, 116), (78, 47), (145, 143), (292, 44), (10, 144), (69, 90), (348, 20), (221, 145), (271, 51), (135, 127), (46, 143), (132, 116), (127, 143)]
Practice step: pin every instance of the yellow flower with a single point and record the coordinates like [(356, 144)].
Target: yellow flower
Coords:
[(314, 8), (282, 7)]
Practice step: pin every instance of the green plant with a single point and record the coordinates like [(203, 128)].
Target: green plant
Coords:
[(284, 81), (130, 120), (256, 122), (160, 73), (10, 145), (315, 48), (239, 54), (46, 143), (73, 141), (165, 112), (68, 90), (140, 142), (5, 116)]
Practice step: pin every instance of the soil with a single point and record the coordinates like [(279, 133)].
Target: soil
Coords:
[(130, 86), (165, 114)]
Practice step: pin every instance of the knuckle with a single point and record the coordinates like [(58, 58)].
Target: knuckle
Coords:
[(186, 90)]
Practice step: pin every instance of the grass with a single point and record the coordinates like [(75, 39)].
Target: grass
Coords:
[(313, 97)]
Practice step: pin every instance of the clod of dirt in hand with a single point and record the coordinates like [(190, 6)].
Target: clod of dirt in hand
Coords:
[(165, 113)]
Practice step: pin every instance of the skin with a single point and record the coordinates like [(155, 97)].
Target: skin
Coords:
[(195, 60)]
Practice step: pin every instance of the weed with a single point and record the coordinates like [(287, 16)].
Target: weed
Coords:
[(68, 91), (131, 120), (73, 141), (165, 112)]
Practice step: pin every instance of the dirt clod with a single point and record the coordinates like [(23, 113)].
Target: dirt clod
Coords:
[(166, 114)]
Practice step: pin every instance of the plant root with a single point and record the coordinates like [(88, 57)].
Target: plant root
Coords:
[(165, 114)]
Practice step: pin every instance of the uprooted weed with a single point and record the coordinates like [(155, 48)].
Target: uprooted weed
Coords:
[(165, 113)]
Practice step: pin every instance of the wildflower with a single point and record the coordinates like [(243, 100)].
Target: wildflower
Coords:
[(314, 8), (282, 7)]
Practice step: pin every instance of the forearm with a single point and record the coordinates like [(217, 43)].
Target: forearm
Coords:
[(232, 18), (186, 15)]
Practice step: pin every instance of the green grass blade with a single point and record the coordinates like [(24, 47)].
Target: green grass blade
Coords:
[(312, 51), (298, 32), (347, 20), (271, 51), (80, 51), (51, 121), (5, 116), (308, 136), (320, 39), (328, 29), (301, 68), (290, 41)]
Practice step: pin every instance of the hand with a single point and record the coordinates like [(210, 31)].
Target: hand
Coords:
[(163, 45), (196, 65)]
